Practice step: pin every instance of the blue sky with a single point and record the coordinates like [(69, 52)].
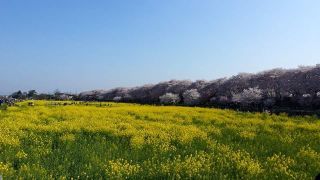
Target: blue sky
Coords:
[(79, 45)]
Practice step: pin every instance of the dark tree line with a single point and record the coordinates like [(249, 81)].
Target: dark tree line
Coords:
[(34, 95), (277, 89)]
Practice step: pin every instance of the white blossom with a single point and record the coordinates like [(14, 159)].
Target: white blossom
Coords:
[(169, 98), (306, 95), (191, 97), (117, 98), (248, 95)]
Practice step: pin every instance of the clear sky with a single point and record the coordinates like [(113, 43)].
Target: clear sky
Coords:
[(77, 45)]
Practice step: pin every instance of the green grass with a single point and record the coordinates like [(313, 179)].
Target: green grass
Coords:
[(119, 141)]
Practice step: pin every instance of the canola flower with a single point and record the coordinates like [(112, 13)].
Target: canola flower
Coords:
[(131, 141)]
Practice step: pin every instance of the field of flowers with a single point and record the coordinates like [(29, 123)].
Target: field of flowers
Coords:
[(129, 141)]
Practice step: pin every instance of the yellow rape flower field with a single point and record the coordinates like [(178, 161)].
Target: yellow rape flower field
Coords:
[(130, 141)]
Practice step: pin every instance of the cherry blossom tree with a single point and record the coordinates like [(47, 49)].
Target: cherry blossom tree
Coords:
[(169, 98), (247, 96), (191, 97)]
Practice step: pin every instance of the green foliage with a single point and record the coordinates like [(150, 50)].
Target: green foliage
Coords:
[(129, 141), (3, 107)]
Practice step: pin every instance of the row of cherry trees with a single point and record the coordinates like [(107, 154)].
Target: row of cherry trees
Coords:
[(295, 88)]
